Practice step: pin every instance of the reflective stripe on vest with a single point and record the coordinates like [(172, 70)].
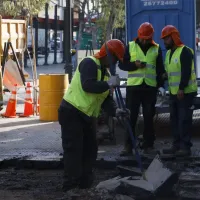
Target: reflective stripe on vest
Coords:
[(174, 72), (178, 83), (88, 103), (177, 73), (148, 74)]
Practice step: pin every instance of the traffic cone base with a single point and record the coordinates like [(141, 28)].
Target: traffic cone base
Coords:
[(28, 106), (12, 104)]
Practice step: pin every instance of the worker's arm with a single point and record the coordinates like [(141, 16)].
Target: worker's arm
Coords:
[(186, 58), (88, 70), (127, 65), (109, 106), (160, 70)]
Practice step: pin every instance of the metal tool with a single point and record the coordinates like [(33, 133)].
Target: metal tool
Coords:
[(126, 121)]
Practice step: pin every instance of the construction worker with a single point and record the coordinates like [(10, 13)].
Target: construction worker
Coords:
[(179, 62), (81, 105), (144, 63)]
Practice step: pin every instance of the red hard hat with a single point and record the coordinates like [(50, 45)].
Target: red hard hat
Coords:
[(145, 31), (115, 47), (168, 30)]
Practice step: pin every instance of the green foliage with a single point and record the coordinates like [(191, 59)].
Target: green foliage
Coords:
[(22, 7), (116, 8)]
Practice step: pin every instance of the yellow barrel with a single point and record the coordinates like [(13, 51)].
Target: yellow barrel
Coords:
[(51, 90)]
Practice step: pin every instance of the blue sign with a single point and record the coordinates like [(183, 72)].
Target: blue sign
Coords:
[(161, 4)]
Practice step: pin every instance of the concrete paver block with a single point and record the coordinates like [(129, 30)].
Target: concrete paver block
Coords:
[(111, 184), (122, 197)]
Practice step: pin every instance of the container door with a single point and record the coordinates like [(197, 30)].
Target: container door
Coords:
[(180, 13)]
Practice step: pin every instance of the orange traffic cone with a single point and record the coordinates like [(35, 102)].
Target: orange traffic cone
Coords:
[(12, 104), (28, 106)]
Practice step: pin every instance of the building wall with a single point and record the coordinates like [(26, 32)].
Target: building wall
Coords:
[(61, 4)]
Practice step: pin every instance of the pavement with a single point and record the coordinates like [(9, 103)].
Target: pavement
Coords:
[(50, 59), (29, 141), (29, 138)]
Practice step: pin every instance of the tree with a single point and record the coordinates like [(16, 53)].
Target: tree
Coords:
[(22, 7), (80, 6), (112, 16), (107, 14)]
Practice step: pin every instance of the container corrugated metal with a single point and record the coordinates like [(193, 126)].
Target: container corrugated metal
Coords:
[(180, 13)]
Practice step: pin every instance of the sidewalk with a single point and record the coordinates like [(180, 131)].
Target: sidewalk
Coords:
[(29, 139), (33, 140), (47, 69)]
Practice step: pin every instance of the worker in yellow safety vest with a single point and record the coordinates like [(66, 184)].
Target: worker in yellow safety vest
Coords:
[(144, 63), (179, 63), (81, 104)]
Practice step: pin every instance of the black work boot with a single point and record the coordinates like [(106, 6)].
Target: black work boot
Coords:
[(183, 152), (86, 181), (127, 151), (69, 184), (148, 148), (171, 150)]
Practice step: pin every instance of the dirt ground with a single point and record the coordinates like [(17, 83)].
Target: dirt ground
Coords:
[(46, 185), (26, 184)]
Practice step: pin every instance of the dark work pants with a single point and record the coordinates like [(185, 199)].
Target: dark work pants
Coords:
[(78, 142), (147, 98), (181, 112)]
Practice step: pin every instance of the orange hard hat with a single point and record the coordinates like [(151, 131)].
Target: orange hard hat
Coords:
[(172, 31), (145, 31), (114, 46), (168, 30)]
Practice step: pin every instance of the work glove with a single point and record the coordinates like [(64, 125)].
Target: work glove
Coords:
[(113, 81), (122, 113), (162, 91)]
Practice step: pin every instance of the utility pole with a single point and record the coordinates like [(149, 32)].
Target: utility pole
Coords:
[(68, 39)]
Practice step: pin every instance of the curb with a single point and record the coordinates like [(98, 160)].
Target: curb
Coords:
[(28, 162)]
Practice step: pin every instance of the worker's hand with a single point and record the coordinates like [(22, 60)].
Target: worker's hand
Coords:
[(162, 91), (113, 81), (122, 113), (180, 94), (140, 64)]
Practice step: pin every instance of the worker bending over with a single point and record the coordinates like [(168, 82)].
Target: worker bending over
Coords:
[(88, 92)]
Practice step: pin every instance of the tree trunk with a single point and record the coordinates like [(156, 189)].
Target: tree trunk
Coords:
[(81, 23), (94, 37), (109, 27)]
